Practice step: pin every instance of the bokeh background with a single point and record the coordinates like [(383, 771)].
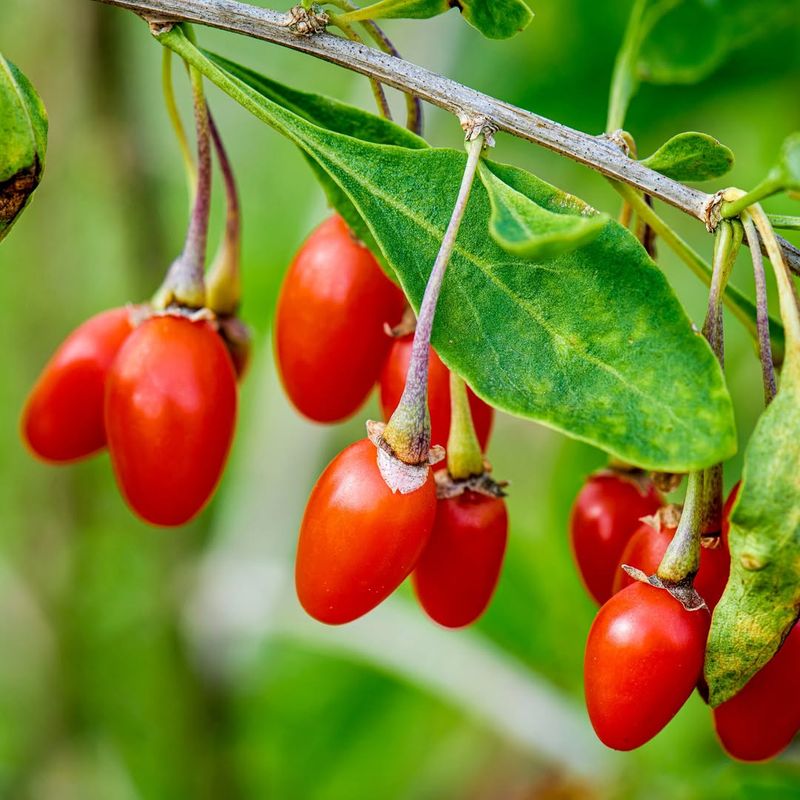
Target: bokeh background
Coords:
[(142, 663)]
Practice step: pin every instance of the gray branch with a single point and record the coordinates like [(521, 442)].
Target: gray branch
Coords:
[(596, 152)]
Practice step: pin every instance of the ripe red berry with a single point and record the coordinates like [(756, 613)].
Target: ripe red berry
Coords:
[(760, 721), (604, 516), (358, 540), (393, 381), (459, 567), (646, 548), (170, 411), (329, 337), (644, 656), (63, 417)]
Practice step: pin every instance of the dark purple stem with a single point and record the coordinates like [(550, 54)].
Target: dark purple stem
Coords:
[(762, 312), (408, 432)]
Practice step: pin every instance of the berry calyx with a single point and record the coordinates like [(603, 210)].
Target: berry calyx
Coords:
[(392, 381), (645, 551)]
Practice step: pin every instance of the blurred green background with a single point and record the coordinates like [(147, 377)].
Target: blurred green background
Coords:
[(142, 663)]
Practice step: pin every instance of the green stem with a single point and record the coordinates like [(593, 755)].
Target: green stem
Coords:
[(376, 33), (787, 293), (408, 432), (623, 79), (784, 221), (764, 344), (768, 186), (464, 457), (727, 242), (682, 559), (738, 304), (377, 88), (224, 278), (177, 124)]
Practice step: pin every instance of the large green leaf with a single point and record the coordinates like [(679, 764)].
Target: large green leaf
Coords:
[(691, 156), (787, 171), (593, 343), (496, 19), (527, 230), (762, 599), (23, 142)]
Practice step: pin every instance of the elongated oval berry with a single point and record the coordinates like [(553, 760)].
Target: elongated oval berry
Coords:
[(458, 571), (646, 548), (170, 411), (329, 337), (63, 416), (761, 721), (604, 516), (358, 540), (393, 381), (644, 656)]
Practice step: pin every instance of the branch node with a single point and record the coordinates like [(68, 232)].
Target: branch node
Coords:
[(475, 125), (159, 25), (623, 140), (307, 21), (711, 210)]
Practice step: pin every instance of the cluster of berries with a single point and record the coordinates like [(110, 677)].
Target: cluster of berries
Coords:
[(157, 389), (338, 332), (645, 651)]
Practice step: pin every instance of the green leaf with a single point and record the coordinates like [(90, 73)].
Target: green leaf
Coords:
[(525, 229), (495, 19), (334, 116), (23, 142), (787, 170), (691, 157), (593, 343), (762, 599)]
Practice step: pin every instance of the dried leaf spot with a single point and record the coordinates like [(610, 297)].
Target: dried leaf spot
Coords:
[(752, 562), (15, 191)]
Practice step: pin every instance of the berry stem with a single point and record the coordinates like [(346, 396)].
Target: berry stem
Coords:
[(184, 284), (734, 208), (762, 312), (177, 124), (787, 293), (376, 33), (224, 279), (377, 88), (408, 432), (727, 242), (464, 457), (682, 559)]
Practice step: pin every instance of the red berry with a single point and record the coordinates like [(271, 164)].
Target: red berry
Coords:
[(644, 656), (358, 540), (329, 337), (646, 548), (459, 568), (604, 516), (63, 417), (760, 721), (393, 380), (726, 511), (170, 411)]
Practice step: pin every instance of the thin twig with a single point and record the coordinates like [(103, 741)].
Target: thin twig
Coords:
[(596, 152)]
